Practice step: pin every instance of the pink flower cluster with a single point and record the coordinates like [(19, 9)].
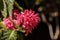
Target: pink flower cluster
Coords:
[(8, 23), (27, 19), (15, 18)]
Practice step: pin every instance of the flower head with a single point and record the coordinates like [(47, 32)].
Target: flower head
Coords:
[(29, 20), (8, 23), (16, 16)]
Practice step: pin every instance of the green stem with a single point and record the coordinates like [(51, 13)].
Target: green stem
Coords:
[(17, 5), (1, 24)]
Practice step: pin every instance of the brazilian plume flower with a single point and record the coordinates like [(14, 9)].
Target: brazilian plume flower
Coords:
[(29, 20), (8, 23), (16, 16)]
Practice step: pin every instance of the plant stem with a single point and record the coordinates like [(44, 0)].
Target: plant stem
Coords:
[(17, 5)]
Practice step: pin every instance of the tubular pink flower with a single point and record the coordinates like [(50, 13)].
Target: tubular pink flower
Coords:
[(16, 17), (29, 20), (8, 23)]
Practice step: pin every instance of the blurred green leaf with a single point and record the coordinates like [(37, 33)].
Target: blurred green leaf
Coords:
[(2, 26), (1, 5), (10, 6), (17, 5), (0, 34), (4, 11), (9, 35)]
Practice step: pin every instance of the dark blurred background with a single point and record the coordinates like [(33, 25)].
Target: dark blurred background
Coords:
[(46, 7)]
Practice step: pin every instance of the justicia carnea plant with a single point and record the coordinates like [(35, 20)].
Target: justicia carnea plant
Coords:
[(16, 22)]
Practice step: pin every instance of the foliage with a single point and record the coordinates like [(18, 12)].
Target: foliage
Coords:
[(4, 11), (1, 5), (10, 6), (9, 35)]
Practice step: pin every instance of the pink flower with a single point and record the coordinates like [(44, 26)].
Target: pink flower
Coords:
[(29, 20), (8, 23), (16, 16)]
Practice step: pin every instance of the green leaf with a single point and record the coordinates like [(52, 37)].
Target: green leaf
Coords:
[(1, 5), (4, 11), (0, 34), (18, 6), (10, 6), (9, 35), (2, 26)]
